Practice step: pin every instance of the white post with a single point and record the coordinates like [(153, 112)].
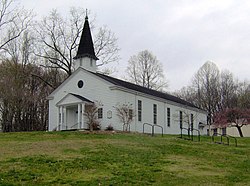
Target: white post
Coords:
[(83, 110), (61, 117), (79, 116), (65, 117)]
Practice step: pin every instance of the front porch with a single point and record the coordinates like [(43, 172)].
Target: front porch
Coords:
[(71, 113)]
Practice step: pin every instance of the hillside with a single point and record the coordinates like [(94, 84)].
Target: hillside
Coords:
[(75, 158)]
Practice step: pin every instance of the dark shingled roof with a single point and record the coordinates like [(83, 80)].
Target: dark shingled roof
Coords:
[(86, 48), (81, 98), (144, 90)]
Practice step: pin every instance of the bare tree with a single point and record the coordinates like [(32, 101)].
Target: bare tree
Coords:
[(22, 98), (217, 93), (144, 69), (228, 90), (24, 86), (106, 48), (126, 114), (59, 38), (221, 89), (187, 118), (90, 112), (188, 93), (243, 95), (13, 21), (206, 82), (20, 50)]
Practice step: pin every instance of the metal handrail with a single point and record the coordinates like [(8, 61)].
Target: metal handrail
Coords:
[(226, 136), (199, 135), (144, 126), (185, 129), (60, 126), (235, 140), (192, 135), (153, 129), (221, 139), (66, 126), (74, 125)]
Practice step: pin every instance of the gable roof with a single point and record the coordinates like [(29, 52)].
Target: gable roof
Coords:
[(86, 47), (68, 79), (144, 90), (126, 85), (81, 98), (66, 100)]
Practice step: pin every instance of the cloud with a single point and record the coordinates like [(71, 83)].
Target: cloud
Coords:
[(183, 34)]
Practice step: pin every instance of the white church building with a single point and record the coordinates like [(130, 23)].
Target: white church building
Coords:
[(86, 86)]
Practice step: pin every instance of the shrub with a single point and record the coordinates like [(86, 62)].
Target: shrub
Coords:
[(109, 128), (96, 126)]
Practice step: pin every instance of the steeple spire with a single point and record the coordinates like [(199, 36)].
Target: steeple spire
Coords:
[(86, 47), (86, 17)]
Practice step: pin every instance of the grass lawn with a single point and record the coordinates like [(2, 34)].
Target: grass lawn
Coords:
[(75, 158)]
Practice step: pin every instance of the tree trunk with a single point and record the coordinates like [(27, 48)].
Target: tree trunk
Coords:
[(240, 131), (91, 125)]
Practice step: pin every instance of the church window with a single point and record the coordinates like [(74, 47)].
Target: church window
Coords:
[(215, 132), (100, 113), (168, 117), (180, 119), (155, 113), (139, 110), (130, 114), (224, 131), (80, 84), (192, 121), (60, 117)]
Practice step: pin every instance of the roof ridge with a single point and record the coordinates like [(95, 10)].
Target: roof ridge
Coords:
[(145, 90)]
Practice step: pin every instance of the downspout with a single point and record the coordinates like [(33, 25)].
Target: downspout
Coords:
[(135, 112), (165, 122)]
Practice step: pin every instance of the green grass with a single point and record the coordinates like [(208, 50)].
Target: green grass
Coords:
[(74, 158)]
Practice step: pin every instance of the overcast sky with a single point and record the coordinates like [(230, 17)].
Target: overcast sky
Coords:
[(183, 34)]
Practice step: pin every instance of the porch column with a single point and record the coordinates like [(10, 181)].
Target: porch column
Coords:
[(79, 116), (61, 117), (83, 110), (65, 116)]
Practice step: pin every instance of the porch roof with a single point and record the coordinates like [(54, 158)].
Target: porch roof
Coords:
[(72, 99), (81, 98)]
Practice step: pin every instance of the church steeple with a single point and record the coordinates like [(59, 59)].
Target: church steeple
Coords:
[(85, 56)]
